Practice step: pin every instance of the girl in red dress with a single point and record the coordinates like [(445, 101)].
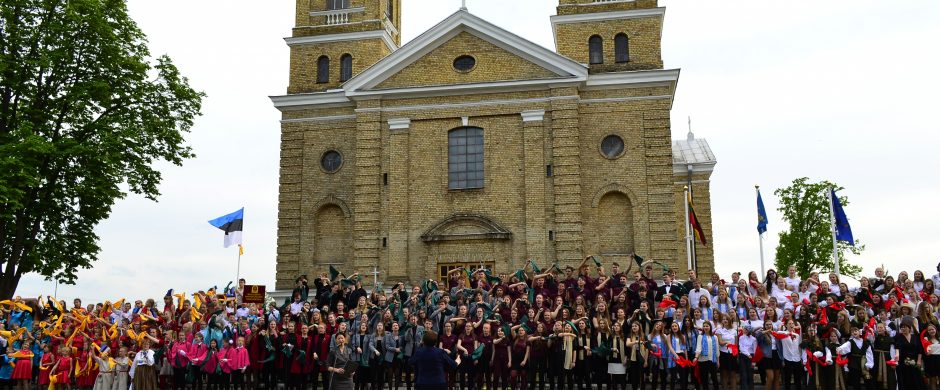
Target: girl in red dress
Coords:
[(86, 374), (62, 369), (45, 365), (23, 371)]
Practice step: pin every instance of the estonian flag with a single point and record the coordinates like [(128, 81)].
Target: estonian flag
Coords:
[(761, 215), (231, 224), (843, 230)]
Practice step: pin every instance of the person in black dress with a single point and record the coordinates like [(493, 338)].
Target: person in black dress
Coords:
[(910, 358)]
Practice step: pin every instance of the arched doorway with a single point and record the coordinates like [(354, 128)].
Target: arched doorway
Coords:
[(615, 224), (332, 236)]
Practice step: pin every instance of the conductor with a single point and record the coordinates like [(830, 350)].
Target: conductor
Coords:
[(430, 362)]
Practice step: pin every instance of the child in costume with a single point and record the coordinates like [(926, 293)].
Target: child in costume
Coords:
[(122, 367), (23, 371), (105, 379)]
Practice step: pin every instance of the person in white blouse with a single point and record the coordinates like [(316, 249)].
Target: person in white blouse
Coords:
[(727, 335), (753, 321), (143, 373), (834, 284), (793, 280), (747, 347), (936, 277), (793, 356), (918, 280), (860, 357)]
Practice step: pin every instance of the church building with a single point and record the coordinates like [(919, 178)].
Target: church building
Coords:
[(472, 145)]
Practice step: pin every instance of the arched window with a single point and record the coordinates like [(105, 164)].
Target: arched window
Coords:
[(345, 67), (596, 50), (323, 69), (465, 158), (621, 48)]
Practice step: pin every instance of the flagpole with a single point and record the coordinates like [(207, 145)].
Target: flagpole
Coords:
[(760, 238), (688, 229), (832, 223), (238, 268)]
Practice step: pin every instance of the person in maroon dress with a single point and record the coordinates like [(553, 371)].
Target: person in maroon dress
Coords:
[(484, 371), (466, 344), (500, 360), (519, 359), (448, 342)]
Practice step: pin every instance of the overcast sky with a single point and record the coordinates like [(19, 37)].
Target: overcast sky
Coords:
[(838, 90)]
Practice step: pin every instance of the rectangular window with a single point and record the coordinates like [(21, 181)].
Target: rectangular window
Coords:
[(385, 179), (548, 170), (465, 158), (551, 235), (337, 4)]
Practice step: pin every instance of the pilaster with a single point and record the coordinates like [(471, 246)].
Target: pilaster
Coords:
[(367, 194), (660, 191), (398, 213), (536, 231), (288, 212), (566, 151)]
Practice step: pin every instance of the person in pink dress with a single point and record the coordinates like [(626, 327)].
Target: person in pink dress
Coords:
[(197, 353), (238, 363), (225, 369), (179, 360), (210, 365)]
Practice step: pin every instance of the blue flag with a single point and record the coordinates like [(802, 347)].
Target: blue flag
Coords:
[(761, 215), (843, 230), (231, 224)]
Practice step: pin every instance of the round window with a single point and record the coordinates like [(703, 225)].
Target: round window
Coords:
[(464, 63), (331, 161), (612, 146)]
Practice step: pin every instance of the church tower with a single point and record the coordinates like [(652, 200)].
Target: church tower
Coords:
[(334, 40), (610, 35)]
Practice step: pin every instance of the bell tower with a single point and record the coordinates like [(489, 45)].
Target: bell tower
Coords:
[(334, 40), (610, 35)]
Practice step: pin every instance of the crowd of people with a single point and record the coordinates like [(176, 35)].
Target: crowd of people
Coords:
[(556, 328)]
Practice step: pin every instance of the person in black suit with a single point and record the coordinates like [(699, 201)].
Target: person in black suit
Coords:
[(671, 288)]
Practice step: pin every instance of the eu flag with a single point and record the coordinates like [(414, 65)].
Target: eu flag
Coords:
[(761, 215), (843, 230)]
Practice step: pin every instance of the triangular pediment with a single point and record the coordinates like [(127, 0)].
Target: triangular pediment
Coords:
[(501, 57)]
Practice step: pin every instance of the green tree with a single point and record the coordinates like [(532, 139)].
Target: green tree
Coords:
[(85, 113), (808, 243)]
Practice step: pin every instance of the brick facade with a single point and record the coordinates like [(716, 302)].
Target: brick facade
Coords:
[(389, 206)]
